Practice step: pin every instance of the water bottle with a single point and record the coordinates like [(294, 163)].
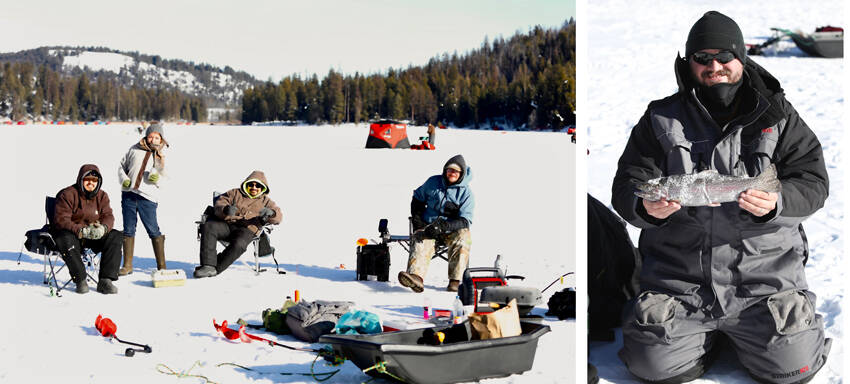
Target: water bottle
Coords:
[(500, 265), (426, 309), (458, 312)]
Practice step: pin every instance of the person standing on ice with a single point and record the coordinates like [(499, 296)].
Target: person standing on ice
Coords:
[(242, 213), (735, 268), (140, 172), (83, 218), (441, 211)]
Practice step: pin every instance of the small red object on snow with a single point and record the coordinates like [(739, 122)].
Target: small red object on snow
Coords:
[(105, 326)]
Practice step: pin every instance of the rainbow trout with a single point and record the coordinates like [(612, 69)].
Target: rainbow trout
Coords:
[(706, 187)]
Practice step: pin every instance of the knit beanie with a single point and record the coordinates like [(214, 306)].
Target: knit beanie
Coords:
[(156, 127), (715, 30)]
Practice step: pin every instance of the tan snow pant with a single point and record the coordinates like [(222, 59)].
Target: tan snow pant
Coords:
[(458, 242)]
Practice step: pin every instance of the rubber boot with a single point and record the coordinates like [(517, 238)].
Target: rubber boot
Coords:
[(159, 251), (128, 256), (82, 286), (453, 284), (105, 286)]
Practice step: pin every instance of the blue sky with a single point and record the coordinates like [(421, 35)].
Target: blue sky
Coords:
[(272, 39)]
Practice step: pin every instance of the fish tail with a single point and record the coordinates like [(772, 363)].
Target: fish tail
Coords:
[(768, 180)]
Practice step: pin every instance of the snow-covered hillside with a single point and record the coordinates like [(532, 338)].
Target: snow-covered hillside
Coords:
[(222, 86), (631, 51), (331, 191)]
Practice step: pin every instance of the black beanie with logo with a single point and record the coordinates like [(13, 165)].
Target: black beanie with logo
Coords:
[(715, 30)]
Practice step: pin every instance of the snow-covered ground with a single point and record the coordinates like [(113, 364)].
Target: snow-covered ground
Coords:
[(631, 49), (331, 190)]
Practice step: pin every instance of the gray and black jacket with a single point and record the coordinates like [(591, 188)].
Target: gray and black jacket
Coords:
[(723, 259)]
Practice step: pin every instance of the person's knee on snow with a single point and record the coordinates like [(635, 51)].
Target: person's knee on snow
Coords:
[(663, 342), (792, 347)]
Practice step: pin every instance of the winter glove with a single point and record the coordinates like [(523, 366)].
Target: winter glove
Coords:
[(153, 177), (93, 231), (417, 211), (266, 213), (230, 210), (418, 223), (126, 183), (436, 228), (98, 231)]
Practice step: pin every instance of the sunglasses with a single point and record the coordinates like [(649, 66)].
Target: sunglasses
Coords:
[(90, 179), (705, 58), (254, 184)]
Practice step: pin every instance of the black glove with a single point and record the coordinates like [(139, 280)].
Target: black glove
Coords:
[(266, 213), (417, 210), (418, 223), (436, 228), (229, 210)]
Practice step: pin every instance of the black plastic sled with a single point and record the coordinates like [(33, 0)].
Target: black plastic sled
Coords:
[(416, 357)]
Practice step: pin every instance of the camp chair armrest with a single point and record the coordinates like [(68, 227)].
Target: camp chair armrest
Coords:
[(399, 238)]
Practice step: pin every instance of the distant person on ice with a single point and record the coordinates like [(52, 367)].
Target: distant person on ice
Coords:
[(733, 269), (140, 173), (242, 212), (441, 211), (83, 218)]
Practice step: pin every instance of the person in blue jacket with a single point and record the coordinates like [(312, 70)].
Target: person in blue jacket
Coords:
[(441, 211)]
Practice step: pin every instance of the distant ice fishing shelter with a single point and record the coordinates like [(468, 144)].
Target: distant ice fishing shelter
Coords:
[(387, 134)]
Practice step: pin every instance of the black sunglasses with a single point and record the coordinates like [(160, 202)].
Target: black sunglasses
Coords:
[(705, 58), (254, 184)]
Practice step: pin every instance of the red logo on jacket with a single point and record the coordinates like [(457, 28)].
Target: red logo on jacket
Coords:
[(767, 130)]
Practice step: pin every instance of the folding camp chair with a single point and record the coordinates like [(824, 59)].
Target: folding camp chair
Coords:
[(406, 241), (40, 242), (262, 245)]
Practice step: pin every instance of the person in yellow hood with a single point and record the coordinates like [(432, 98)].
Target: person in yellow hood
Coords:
[(239, 216)]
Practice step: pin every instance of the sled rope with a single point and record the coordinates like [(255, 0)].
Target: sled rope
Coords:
[(556, 280), (381, 367), (182, 375), (323, 376)]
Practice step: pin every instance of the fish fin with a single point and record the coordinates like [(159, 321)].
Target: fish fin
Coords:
[(769, 180)]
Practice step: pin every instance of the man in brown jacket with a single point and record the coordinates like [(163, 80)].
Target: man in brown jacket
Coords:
[(83, 218), (240, 214)]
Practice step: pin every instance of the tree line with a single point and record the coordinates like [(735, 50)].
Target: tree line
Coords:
[(528, 80), (27, 91)]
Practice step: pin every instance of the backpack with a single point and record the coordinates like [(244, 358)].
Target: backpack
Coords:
[(613, 265), (563, 304), (274, 320)]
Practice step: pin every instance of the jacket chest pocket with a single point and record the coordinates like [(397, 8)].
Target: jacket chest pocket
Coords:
[(683, 156), (435, 199), (757, 154)]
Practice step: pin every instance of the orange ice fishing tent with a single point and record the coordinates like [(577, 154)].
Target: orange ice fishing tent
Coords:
[(387, 134)]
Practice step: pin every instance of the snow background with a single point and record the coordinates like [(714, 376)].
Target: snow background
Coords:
[(631, 49), (331, 191)]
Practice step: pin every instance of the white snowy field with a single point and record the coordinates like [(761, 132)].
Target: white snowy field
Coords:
[(631, 50), (331, 191)]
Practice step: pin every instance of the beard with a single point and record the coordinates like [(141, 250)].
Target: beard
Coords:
[(719, 95), (706, 77)]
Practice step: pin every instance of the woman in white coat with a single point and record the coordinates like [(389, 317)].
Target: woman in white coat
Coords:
[(140, 172)]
